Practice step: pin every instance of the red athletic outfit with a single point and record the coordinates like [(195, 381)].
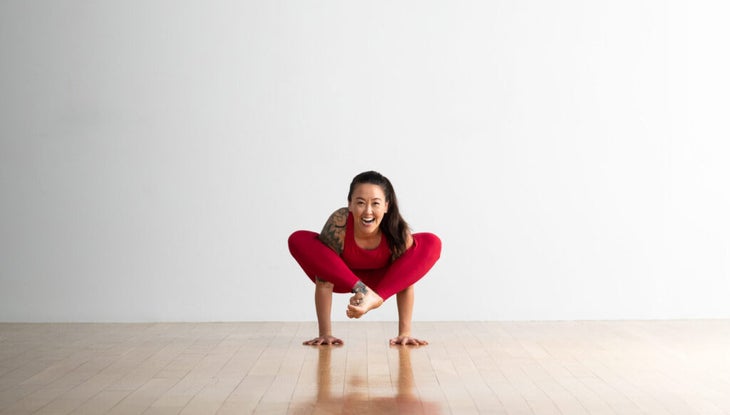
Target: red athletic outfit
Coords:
[(371, 266)]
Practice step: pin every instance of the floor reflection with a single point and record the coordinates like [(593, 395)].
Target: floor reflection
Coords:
[(365, 394)]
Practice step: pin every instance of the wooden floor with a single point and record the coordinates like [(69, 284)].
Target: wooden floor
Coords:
[(670, 367)]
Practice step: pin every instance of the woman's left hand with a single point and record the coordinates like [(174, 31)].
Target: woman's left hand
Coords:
[(407, 341)]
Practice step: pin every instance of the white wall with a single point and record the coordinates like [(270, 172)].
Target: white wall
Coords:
[(154, 156)]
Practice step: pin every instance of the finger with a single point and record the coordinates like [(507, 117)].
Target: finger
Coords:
[(419, 342), (399, 341)]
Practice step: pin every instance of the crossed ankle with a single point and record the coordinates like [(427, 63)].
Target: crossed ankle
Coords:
[(360, 288)]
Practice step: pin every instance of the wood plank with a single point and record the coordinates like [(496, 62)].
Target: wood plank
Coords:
[(614, 367)]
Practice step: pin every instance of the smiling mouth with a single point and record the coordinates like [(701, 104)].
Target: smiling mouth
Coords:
[(368, 221)]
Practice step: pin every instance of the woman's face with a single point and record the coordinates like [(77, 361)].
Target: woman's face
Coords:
[(368, 206)]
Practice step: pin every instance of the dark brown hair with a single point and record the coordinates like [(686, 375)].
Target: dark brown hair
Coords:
[(393, 225)]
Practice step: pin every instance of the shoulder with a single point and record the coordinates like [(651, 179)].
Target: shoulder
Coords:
[(339, 217), (333, 232)]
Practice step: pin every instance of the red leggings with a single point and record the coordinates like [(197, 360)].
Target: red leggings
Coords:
[(320, 261)]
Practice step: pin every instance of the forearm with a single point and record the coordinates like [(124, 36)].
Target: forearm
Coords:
[(323, 305), (405, 300)]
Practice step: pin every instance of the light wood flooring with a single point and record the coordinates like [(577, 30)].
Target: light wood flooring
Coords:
[(635, 367)]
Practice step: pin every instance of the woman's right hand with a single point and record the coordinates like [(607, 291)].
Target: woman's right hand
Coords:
[(324, 340)]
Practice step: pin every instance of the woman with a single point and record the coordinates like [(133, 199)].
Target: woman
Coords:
[(366, 249)]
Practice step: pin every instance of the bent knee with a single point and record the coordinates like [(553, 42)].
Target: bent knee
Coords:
[(298, 238), (429, 242)]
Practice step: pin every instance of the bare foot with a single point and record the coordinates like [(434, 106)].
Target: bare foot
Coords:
[(361, 303), (324, 340), (357, 298)]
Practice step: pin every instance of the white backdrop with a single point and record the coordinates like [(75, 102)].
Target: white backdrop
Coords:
[(155, 155)]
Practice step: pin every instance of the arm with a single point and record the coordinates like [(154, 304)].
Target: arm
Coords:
[(405, 300), (323, 306), (332, 235), (333, 232)]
